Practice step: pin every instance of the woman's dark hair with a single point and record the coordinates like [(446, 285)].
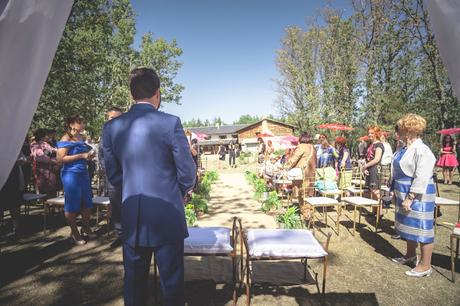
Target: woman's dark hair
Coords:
[(143, 83), (71, 120), (445, 140), (305, 138), (39, 134), (260, 139)]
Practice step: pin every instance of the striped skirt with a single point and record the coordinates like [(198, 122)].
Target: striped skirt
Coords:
[(417, 224)]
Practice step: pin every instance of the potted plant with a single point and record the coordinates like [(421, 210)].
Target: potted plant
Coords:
[(290, 219)]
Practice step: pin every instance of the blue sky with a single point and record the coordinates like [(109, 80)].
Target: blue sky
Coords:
[(229, 50)]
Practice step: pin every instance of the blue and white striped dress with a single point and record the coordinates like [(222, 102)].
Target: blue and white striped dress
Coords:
[(417, 224)]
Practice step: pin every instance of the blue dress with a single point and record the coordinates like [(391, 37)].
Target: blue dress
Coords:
[(417, 224), (75, 178)]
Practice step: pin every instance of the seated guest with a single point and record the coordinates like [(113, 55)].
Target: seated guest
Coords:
[(45, 165), (326, 153), (343, 163), (304, 157), (287, 154)]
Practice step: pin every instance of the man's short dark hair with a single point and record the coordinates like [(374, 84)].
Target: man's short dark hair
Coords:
[(114, 109), (143, 83)]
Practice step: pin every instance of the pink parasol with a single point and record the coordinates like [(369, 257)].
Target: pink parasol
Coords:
[(266, 133), (450, 131), (199, 136), (335, 127), (289, 138)]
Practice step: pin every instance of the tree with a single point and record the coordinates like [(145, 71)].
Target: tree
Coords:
[(161, 56), (247, 119)]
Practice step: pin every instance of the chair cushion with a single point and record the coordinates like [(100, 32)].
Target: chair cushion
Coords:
[(30, 197), (101, 200), (456, 231), (354, 190), (56, 201), (208, 240), (321, 201), (357, 182), (444, 201), (283, 243), (360, 201)]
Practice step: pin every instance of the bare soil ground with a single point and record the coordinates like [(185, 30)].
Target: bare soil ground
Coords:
[(48, 270)]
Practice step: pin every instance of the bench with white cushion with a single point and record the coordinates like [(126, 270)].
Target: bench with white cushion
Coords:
[(282, 244), (216, 241)]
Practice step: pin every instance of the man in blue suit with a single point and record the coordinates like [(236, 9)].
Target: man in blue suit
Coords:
[(147, 154)]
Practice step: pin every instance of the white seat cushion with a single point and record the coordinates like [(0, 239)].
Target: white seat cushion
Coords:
[(208, 240), (444, 201), (354, 190), (283, 243), (101, 201), (321, 201), (30, 197), (360, 201), (456, 230), (330, 192), (56, 201), (357, 182)]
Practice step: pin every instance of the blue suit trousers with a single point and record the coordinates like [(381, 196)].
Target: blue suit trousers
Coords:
[(170, 260)]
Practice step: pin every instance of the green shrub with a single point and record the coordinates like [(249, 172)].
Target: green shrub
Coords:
[(204, 189), (260, 187), (279, 152), (190, 215), (272, 202), (211, 176), (290, 218), (199, 203)]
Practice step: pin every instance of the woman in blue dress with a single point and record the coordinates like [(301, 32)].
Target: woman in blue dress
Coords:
[(73, 153), (413, 186)]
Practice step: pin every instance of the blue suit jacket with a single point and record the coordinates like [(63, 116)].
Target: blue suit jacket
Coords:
[(147, 153)]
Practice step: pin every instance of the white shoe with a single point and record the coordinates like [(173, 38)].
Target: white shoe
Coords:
[(404, 261), (414, 273)]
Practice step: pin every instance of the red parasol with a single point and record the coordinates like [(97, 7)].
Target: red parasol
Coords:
[(450, 131), (335, 127), (365, 138)]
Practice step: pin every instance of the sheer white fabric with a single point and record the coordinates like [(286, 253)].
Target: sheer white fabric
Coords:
[(30, 31), (445, 20)]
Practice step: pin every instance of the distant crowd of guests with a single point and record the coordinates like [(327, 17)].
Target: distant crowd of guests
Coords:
[(410, 176)]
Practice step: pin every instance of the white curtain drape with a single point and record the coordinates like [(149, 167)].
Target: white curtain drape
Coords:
[(30, 31), (445, 20)]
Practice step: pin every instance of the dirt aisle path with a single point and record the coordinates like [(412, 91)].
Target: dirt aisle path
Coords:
[(232, 196)]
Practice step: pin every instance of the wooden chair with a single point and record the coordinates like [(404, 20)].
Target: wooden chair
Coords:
[(58, 202), (283, 244), (214, 241), (325, 201)]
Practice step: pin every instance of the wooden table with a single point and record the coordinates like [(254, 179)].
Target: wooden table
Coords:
[(59, 202)]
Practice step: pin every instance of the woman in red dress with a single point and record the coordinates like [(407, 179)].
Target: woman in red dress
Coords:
[(447, 161)]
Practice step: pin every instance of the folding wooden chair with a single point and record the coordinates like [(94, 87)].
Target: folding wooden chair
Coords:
[(324, 202), (282, 244), (215, 241)]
